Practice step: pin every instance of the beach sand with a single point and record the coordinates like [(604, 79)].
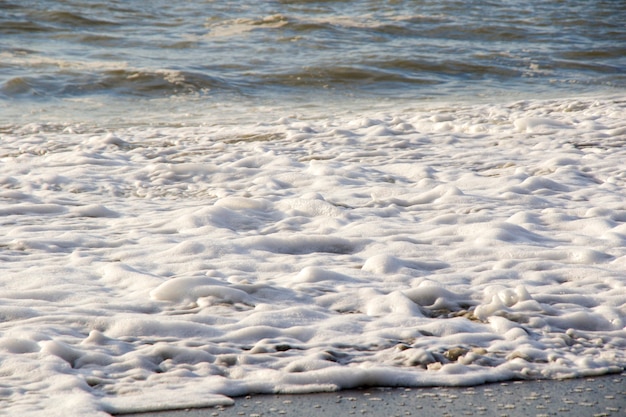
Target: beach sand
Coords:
[(583, 397)]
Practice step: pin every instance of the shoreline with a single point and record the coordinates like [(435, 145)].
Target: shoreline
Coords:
[(578, 397)]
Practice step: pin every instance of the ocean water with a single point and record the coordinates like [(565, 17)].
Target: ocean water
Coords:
[(202, 200), (111, 61)]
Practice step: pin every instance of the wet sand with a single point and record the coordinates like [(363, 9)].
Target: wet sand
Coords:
[(586, 397)]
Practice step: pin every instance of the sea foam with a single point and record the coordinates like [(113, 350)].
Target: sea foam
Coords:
[(149, 268)]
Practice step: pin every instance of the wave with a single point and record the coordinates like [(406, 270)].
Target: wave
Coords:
[(71, 19), (379, 77), (140, 83), (33, 21)]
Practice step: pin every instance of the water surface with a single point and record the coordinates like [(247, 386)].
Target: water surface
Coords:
[(142, 60)]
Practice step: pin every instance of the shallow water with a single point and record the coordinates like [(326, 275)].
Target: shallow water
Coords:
[(198, 202)]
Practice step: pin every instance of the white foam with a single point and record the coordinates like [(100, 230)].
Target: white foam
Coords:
[(150, 268)]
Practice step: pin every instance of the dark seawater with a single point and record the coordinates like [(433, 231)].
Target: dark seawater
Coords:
[(101, 59)]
